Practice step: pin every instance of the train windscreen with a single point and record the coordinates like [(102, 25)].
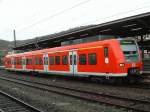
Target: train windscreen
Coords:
[(130, 50)]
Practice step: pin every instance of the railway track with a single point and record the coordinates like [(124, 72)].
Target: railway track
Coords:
[(140, 85), (141, 105), (9, 103)]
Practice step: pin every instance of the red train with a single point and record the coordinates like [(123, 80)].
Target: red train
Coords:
[(107, 58)]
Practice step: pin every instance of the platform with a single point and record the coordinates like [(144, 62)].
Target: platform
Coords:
[(146, 66)]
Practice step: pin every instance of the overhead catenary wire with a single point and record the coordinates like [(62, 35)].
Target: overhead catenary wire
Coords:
[(56, 14), (114, 15), (86, 23)]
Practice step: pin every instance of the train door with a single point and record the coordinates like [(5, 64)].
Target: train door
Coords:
[(106, 59), (24, 63), (45, 57), (73, 62)]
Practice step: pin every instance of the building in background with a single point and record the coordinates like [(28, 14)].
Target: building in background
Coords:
[(2, 55)]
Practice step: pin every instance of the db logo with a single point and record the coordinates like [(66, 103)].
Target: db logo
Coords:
[(106, 60), (133, 64)]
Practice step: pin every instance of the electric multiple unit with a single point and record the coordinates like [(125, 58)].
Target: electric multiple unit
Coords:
[(107, 58)]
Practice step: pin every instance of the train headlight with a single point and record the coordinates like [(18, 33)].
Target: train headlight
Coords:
[(121, 64)]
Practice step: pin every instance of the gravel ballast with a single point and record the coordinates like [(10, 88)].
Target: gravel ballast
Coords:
[(51, 102)]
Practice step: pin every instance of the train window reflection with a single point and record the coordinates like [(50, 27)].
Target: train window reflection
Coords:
[(82, 59), (92, 59)]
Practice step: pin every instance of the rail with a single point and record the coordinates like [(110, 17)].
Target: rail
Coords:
[(13, 104), (125, 102)]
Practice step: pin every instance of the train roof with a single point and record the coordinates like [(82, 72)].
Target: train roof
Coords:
[(69, 47)]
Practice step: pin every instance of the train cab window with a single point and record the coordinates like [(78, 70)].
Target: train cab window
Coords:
[(82, 59), (51, 60), (106, 51), (92, 59), (65, 60), (57, 60)]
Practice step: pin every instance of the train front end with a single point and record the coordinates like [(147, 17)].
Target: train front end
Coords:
[(133, 60)]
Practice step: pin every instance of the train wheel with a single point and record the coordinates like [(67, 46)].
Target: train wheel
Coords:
[(119, 81), (111, 81), (131, 80)]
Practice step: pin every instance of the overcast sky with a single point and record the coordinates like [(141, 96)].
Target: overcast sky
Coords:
[(33, 18)]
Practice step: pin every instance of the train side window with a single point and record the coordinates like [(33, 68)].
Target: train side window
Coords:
[(65, 60), (29, 61), (82, 59), (26, 61), (36, 61), (51, 60), (57, 60), (23, 63), (14, 62), (92, 59), (106, 51), (17, 61), (20, 61), (40, 61)]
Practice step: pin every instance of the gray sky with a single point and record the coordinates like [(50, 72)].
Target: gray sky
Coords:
[(32, 18)]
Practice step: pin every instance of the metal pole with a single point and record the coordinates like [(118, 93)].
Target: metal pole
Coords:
[(142, 46), (36, 43), (14, 38)]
